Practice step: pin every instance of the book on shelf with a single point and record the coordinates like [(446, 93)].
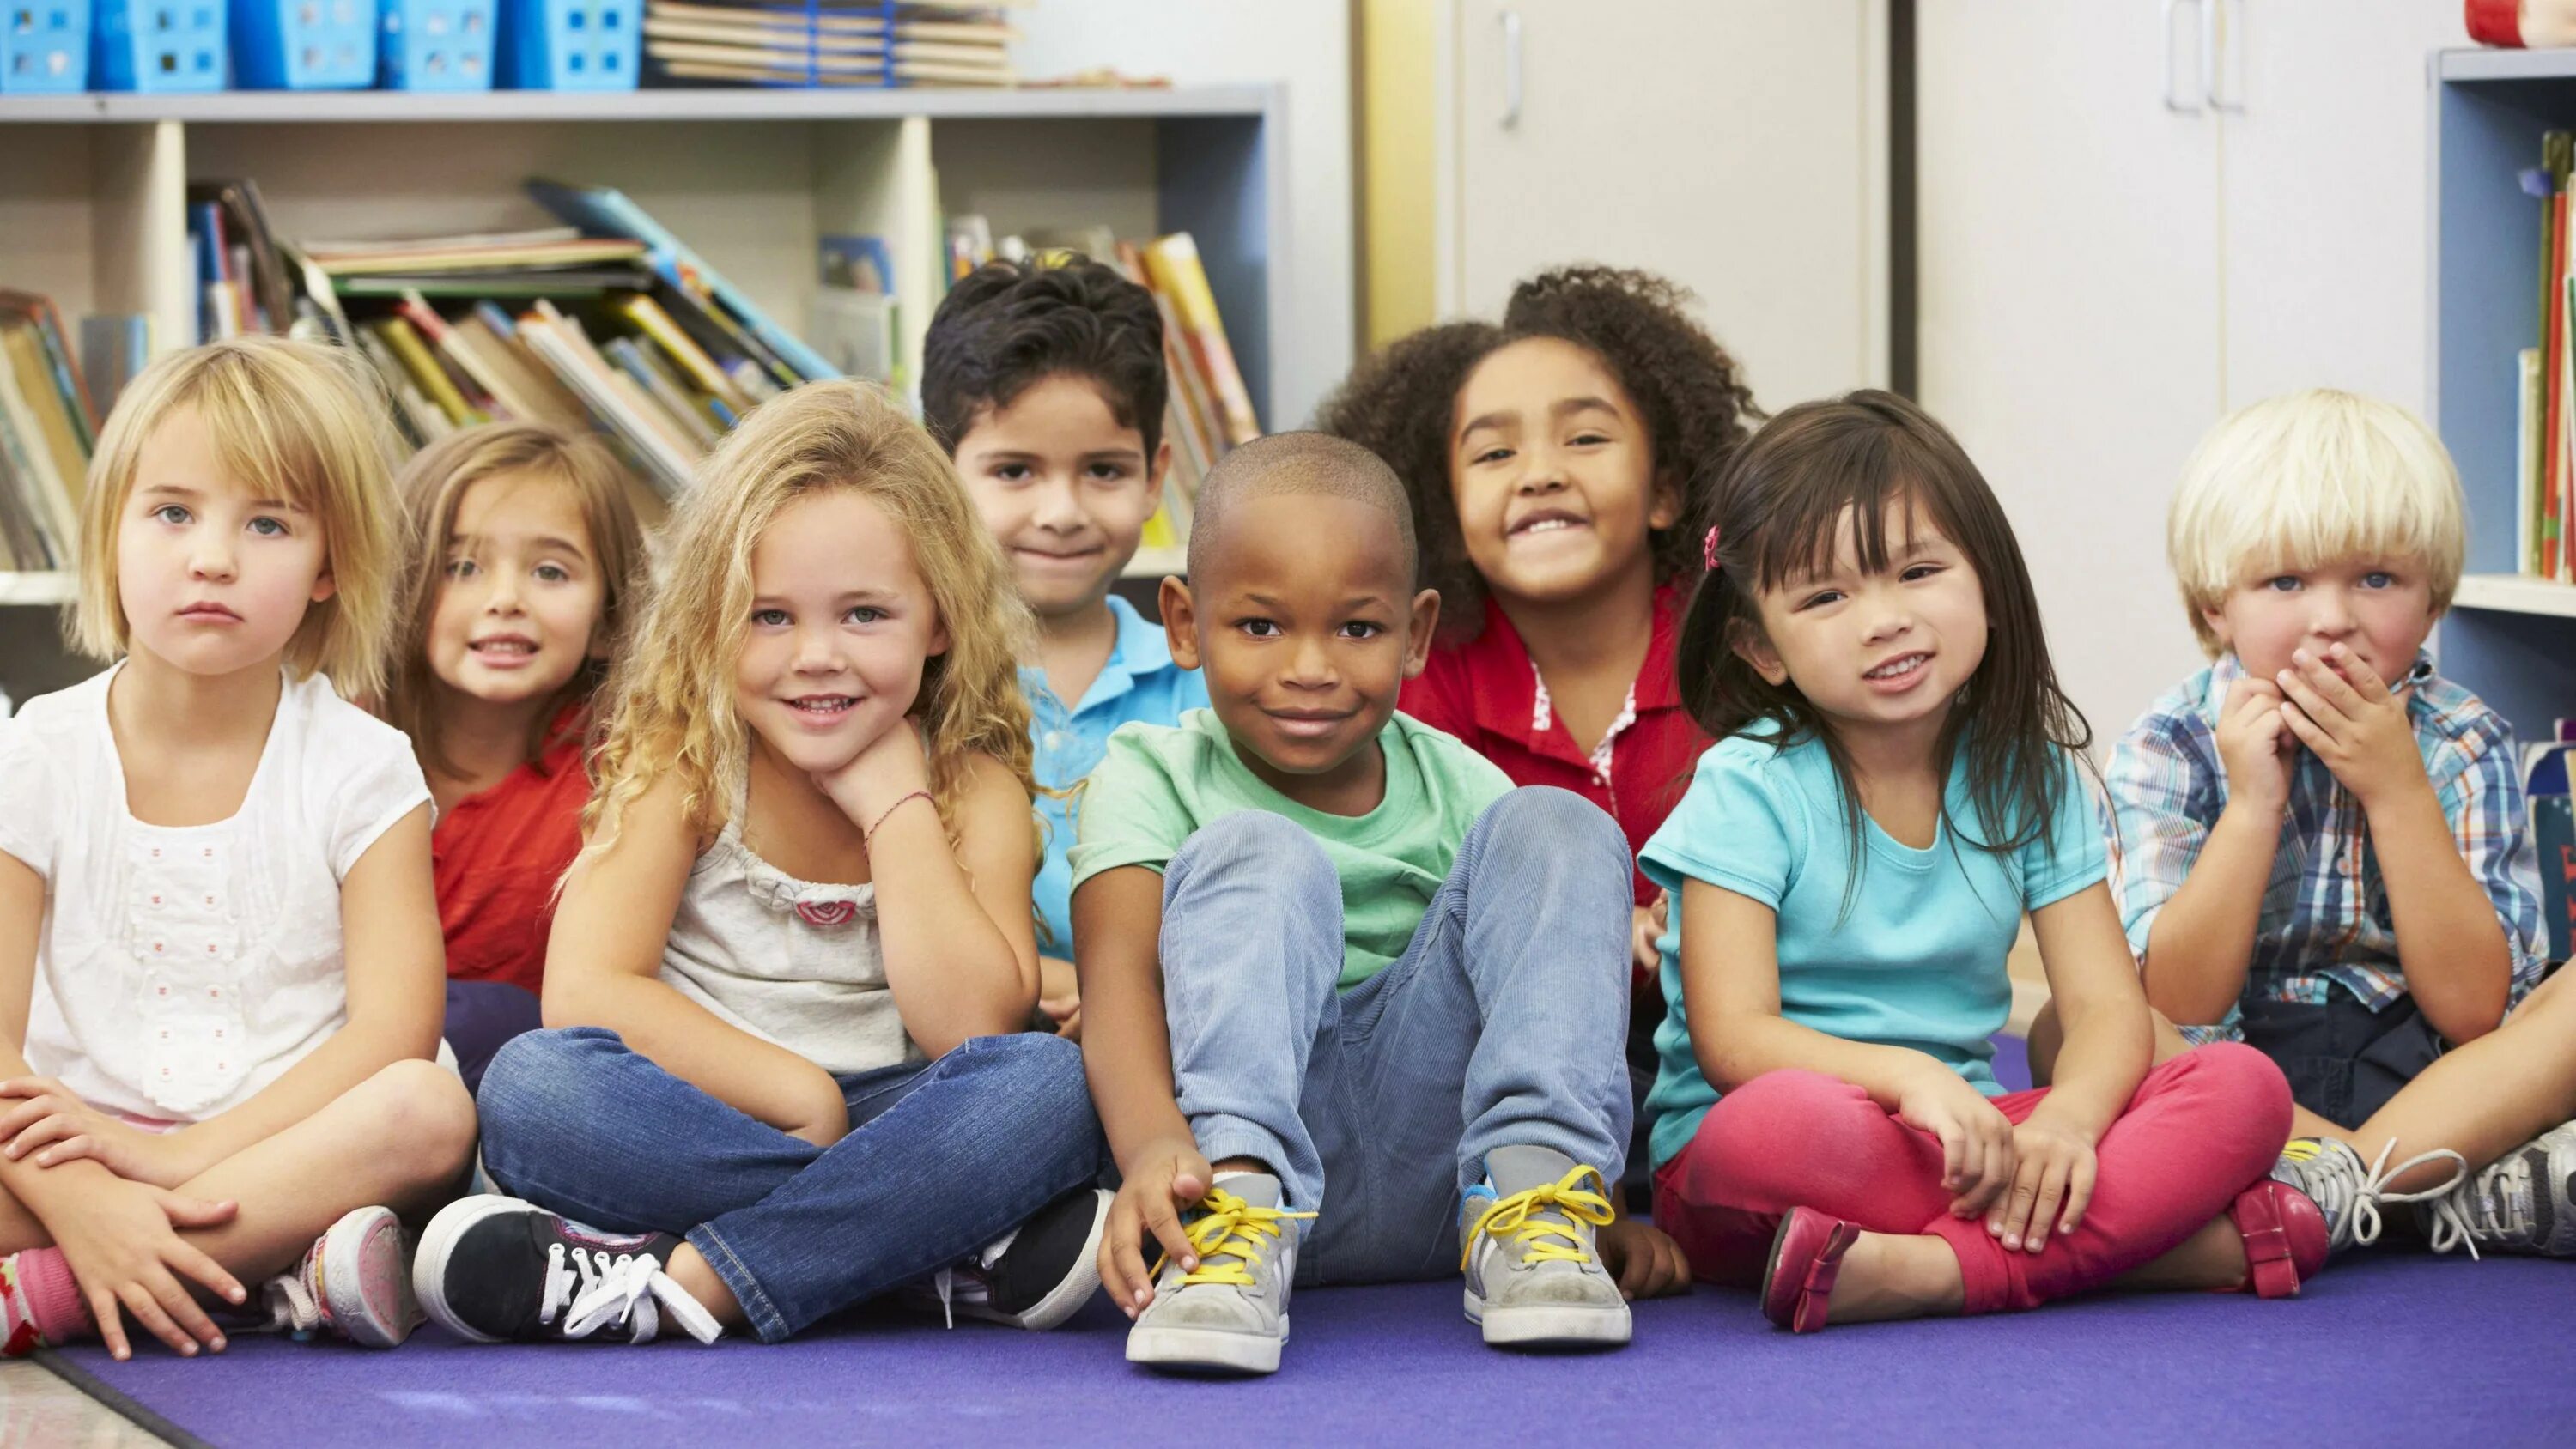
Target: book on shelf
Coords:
[(113, 348), (829, 42), (2553, 832), (2545, 483), (48, 429)]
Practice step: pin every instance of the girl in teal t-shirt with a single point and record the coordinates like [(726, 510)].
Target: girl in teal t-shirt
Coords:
[(1897, 781)]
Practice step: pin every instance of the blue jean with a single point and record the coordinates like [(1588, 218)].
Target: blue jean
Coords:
[(941, 1159), (1503, 1024)]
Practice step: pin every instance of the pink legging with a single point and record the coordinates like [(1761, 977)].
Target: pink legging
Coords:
[(2202, 1128)]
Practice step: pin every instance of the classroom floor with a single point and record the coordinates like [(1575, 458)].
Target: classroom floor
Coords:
[(2388, 1348)]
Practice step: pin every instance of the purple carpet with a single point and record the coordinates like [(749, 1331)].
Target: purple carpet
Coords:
[(2387, 1348)]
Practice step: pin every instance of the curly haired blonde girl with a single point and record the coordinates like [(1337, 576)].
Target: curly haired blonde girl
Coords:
[(669, 703)]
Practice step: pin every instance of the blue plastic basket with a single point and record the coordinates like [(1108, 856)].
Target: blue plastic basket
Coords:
[(303, 45), (570, 45), (44, 46), (157, 45), (435, 45)]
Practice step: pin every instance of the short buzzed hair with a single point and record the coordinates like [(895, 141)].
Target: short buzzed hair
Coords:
[(1301, 463)]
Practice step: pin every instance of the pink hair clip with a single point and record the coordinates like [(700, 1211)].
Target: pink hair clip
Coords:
[(1708, 551)]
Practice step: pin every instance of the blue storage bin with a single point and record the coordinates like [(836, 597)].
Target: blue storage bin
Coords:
[(44, 46), (303, 45), (157, 45), (570, 45), (434, 45)]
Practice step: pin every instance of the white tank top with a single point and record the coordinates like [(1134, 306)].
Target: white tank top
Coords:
[(793, 963)]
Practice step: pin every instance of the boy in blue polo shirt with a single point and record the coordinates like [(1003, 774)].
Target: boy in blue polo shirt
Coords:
[(1046, 385)]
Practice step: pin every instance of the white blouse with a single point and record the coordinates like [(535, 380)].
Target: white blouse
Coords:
[(181, 969)]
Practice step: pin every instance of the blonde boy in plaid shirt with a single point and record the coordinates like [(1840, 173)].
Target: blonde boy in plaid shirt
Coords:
[(2319, 843)]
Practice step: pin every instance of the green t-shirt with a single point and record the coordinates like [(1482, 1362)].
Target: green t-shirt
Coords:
[(1160, 783)]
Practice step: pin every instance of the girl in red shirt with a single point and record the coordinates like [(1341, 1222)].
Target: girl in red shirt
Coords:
[(1551, 461), (524, 540)]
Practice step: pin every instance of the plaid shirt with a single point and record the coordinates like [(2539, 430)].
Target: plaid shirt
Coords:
[(2325, 919)]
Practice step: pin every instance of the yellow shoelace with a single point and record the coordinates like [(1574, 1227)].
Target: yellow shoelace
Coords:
[(1231, 1229), (1535, 1235)]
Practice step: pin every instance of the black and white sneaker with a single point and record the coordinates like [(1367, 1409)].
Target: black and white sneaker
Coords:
[(1036, 1276), (499, 1270)]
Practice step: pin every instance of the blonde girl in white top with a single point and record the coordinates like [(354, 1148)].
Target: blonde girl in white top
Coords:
[(220, 970)]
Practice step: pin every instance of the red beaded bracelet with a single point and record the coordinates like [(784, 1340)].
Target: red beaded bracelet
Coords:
[(870, 833)]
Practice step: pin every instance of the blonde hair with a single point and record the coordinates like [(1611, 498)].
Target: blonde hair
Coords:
[(2307, 478), (669, 711), (306, 420), (433, 486)]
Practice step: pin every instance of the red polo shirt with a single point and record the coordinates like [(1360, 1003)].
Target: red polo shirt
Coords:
[(495, 858), (1488, 693)]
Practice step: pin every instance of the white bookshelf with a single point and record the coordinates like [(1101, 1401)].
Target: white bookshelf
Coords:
[(55, 588), (93, 197), (2515, 594)]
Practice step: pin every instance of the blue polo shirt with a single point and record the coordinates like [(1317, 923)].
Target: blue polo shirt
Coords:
[(1140, 683)]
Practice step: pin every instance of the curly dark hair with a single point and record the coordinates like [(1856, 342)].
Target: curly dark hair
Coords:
[(1401, 402), (1006, 325)]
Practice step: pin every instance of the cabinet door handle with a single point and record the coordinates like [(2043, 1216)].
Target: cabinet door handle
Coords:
[(1512, 68), (2209, 74), (2179, 107)]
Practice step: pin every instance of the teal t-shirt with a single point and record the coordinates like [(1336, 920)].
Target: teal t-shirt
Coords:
[(1918, 960), (1158, 785)]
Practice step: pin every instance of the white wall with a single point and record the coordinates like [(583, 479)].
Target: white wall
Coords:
[(1307, 44)]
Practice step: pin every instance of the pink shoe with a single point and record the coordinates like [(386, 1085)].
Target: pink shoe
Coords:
[(1798, 1281), (2285, 1237)]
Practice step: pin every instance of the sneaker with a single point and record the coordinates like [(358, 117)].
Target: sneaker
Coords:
[(1036, 1276), (1534, 1276), (2331, 1173), (1231, 1313), (353, 1281), (498, 1270), (2523, 1202)]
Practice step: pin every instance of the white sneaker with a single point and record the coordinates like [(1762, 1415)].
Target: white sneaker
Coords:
[(1230, 1315), (1534, 1274), (2523, 1202), (353, 1281)]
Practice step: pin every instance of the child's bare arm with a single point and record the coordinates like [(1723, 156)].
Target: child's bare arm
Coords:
[(2109, 1034), (1731, 994), (1127, 1053), (2450, 943), (603, 968), (959, 934)]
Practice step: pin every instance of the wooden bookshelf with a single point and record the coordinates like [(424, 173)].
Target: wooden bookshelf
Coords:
[(93, 214), (2510, 638)]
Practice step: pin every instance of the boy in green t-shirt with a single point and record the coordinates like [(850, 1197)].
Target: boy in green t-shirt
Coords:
[(1319, 941)]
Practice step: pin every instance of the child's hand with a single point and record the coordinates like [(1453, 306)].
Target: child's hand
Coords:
[(44, 1120), (884, 770), (1171, 1176), (2254, 743), (1646, 931), (2351, 721), (1976, 1140), (124, 1249), (2051, 1185), (1645, 1259), (1060, 996)]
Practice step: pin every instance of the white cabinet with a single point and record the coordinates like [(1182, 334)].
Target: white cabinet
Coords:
[(1736, 146), (2115, 252)]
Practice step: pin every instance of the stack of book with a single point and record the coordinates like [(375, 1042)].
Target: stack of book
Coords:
[(829, 42), (48, 429)]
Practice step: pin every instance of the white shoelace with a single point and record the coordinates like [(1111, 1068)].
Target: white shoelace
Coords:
[(2499, 1199), (291, 1304), (945, 1283), (595, 1289), (2366, 1192)]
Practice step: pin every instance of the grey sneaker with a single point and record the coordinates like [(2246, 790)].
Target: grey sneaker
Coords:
[(1231, 1314), (2523, 1202), (354, 1281), (2333, 1176), (1534, 1275)]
